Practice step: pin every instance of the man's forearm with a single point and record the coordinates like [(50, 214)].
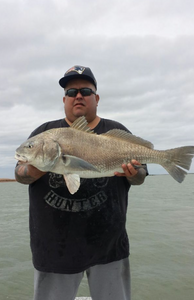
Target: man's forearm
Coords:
[(27, 174)]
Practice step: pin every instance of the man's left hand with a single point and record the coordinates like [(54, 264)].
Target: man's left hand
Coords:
[(134, 175), (128, 169)]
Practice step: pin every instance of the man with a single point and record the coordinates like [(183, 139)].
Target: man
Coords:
[(84, 232)]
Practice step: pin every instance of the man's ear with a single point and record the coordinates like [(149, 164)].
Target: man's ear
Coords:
[(97, 99)]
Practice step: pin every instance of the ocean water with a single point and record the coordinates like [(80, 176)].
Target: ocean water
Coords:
[(161, 230)]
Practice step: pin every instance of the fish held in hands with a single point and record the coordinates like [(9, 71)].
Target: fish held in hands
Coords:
[(77, 152)]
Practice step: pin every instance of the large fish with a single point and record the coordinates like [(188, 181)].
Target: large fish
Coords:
[(78, 152)]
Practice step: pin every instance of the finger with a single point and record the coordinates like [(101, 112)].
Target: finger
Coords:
[(119, 174), (135, 162), (131, 170)]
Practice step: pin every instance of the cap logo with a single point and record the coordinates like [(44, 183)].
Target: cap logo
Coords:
[(77, 69)]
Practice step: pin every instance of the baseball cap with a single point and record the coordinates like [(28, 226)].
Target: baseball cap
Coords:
[(78, 72)]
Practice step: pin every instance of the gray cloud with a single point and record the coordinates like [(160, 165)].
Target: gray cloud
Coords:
[(141, 54)]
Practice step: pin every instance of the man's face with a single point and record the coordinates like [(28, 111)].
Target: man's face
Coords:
[(80, 105)]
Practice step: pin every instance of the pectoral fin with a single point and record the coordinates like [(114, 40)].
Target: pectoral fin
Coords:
[(76, 163), (72, 182)]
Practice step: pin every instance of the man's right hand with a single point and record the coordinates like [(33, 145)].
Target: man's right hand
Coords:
[(26, 174)]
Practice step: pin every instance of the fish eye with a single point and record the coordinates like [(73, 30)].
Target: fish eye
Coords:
[(29, 145)]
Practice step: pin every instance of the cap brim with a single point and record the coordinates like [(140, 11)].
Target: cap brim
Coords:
[(64, 80)]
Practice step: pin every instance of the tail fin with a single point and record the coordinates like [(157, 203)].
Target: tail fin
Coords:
[(179, 157)]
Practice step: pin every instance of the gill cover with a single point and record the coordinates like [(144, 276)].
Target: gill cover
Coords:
[(51, 152)]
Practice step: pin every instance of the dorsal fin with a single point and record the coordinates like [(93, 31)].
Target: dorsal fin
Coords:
[(81, 124), (124, 135)]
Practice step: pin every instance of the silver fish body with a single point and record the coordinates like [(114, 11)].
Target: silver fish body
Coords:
[(77, 152)]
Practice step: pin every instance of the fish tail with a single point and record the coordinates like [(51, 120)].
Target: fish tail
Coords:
[(178, 158)]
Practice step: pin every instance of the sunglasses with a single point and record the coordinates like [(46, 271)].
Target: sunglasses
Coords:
[(84, 92)]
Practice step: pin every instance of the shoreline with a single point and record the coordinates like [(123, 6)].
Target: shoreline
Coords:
[(7, 180)]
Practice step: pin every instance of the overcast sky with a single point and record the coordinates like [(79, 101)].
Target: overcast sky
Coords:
[(140, 51)]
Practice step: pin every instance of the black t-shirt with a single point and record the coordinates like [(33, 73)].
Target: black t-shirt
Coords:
[(70, 233)]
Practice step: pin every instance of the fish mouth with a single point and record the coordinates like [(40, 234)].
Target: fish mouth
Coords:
[(21, 157)]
